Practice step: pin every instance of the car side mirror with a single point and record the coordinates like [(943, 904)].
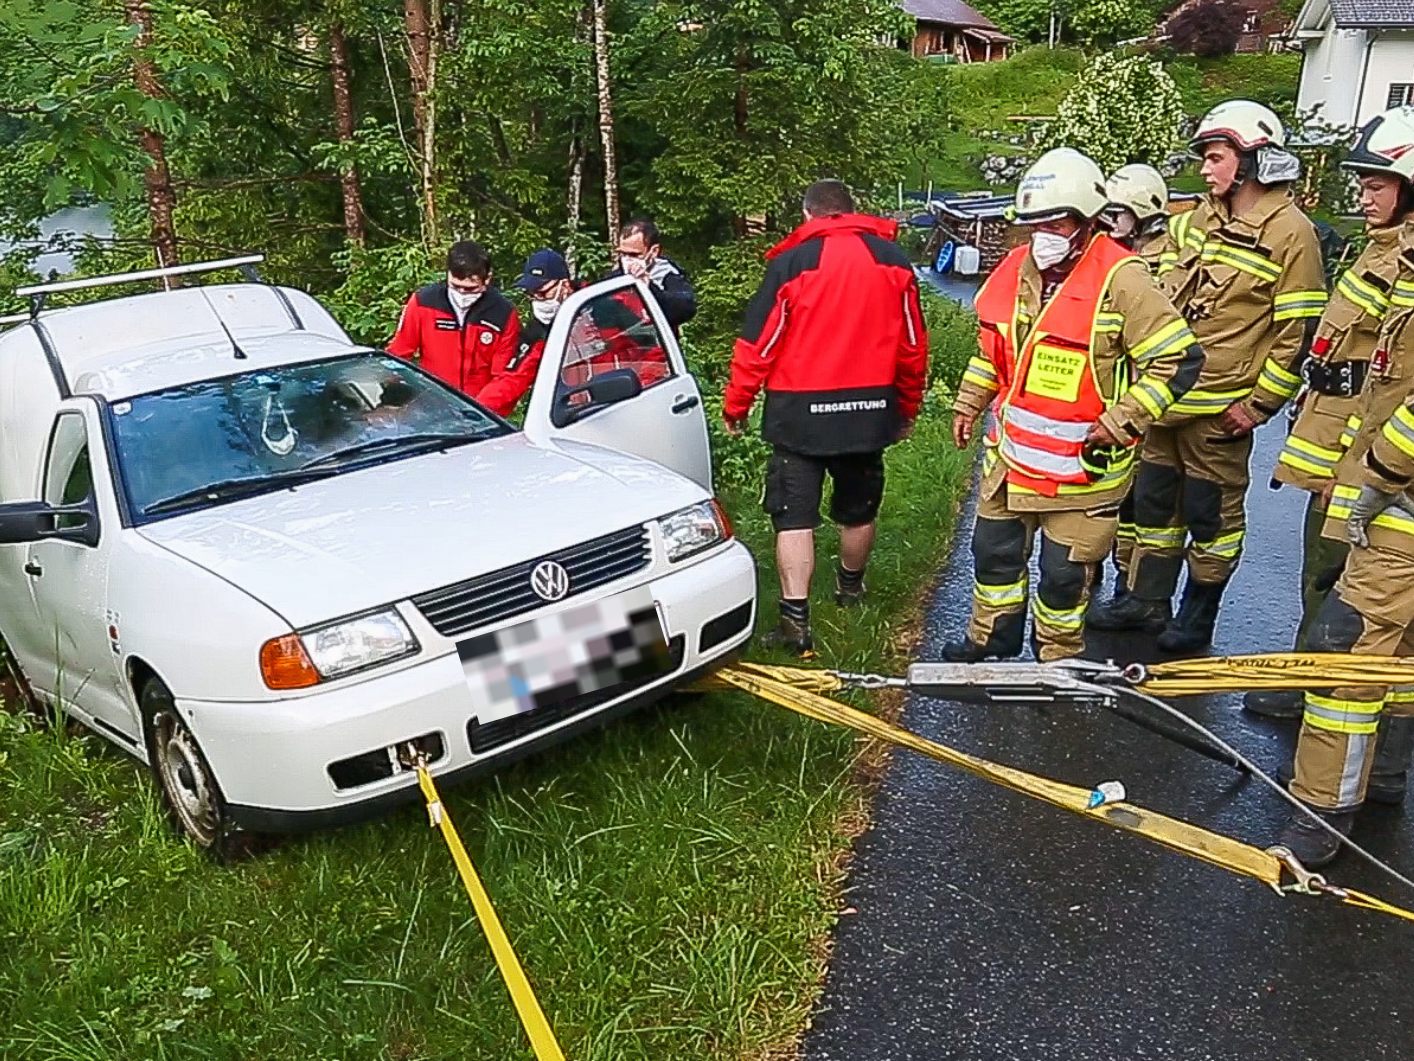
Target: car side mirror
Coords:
[(575, 403), (22, 522)]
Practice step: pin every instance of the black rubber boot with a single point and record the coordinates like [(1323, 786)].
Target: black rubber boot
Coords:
[(1390, 772), (964, 650), (791, 635), (1129, 613), (1312, 845), (1282, 704), (1192, 628)]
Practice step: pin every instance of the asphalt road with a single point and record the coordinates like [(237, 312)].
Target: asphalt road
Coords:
[(981, 924)]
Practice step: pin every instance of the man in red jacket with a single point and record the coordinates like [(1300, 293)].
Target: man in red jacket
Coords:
[(835, 337), (463, 330)]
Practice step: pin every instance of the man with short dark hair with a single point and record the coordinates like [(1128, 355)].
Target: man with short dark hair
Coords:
[(640, 253), (461, 329), (835, 337)]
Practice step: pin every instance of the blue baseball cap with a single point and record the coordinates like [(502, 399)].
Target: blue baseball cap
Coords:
[(543, 267)]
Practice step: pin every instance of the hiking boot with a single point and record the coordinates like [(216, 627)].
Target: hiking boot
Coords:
[(1389, 773), (1312, 845), (1129, 613), (847, 596), (1281, 704), (964, 650), (792, 635), (1192, 629)]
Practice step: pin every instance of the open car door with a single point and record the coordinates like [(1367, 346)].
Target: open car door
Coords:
[(613, 375)]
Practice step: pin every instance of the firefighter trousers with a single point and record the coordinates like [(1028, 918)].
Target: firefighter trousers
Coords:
[(1073, 543), (1371, 610), (1188, 501), (1125, 534), (1321, 559)]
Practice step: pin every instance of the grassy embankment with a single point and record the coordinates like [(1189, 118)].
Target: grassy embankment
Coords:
[(986, 97), (669, 883)]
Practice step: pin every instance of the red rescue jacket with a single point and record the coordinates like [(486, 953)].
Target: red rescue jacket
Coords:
[(476, 356), (835, 335)]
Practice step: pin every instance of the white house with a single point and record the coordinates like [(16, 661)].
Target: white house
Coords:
[(1357, 58)]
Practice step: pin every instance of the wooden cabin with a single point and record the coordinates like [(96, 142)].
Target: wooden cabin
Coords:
[(949, 28)]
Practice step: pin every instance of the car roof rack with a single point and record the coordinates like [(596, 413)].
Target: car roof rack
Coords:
[(39, 293)]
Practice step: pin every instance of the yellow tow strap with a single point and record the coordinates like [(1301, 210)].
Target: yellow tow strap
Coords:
[(532, 1017), (1274, 670), (799, 690)]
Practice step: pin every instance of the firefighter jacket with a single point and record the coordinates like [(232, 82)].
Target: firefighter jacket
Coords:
[(1106, 347), (1252, 288), (1156, 247), (1346, 338), (1381, 432), (465, 354), (835, 336)]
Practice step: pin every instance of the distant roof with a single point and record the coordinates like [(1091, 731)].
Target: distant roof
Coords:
[(1374, 13), (956, 13)]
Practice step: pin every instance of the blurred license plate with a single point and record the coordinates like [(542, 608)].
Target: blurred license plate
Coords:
[(572, 652)]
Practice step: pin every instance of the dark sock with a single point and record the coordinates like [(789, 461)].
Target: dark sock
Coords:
[(798, 610), (850, 579)]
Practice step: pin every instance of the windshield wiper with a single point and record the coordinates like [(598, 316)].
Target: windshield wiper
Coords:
[(230, 489), (426, 440)]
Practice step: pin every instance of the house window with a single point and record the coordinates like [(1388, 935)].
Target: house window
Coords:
[(1400, 93)]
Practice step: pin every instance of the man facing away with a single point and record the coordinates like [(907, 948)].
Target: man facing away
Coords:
[(835, 337)]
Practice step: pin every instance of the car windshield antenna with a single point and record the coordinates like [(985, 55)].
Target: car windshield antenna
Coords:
[(236, 351)]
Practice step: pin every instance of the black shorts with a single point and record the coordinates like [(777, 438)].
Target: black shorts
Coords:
[(795, 484)]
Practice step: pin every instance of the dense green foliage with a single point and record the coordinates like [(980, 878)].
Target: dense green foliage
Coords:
[(1122, 108)]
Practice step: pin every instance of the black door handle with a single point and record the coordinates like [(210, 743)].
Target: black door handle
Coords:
[(686, 403), (32, 569)]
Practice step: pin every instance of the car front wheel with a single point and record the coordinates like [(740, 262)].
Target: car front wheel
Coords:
[(189, 788)]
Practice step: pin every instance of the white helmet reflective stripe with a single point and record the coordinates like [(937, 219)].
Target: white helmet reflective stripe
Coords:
[(1060, 182), (1386, 145), (1139, 189), (1242, 123)]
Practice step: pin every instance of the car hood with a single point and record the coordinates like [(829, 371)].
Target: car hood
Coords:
[(381, 534)]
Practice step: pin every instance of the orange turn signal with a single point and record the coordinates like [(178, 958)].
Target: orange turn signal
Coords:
[(284, 664), (723, 519)]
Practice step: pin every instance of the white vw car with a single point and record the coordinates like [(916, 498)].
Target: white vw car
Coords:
[(278, 567)]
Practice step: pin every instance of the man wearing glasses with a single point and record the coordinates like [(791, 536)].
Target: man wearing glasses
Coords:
[(462, 330)]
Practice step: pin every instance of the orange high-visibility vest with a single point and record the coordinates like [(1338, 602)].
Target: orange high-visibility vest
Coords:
[(1051, 398)]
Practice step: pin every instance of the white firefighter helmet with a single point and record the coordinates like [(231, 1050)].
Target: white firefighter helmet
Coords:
[(1140, 189), (1242, 123), (1060, 182), (1386, 145)]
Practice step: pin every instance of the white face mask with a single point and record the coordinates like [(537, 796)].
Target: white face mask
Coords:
[(545, 309), (461, 300), (1049, 249)]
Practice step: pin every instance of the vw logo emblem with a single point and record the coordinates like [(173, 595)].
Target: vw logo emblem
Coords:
[(550, 580)]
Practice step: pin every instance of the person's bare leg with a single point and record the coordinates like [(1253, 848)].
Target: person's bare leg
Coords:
[(795, 559), (856, 543)]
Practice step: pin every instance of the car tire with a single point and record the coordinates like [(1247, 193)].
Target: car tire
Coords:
[(190, 792)]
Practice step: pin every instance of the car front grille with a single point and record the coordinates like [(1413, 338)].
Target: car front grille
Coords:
[(487, 599)]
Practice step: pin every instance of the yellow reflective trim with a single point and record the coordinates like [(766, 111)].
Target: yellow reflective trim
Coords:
[(1390, 518), (1007, 595), (1403, 293), (1399, 432), (1342, 716), (1309, 448), (1061, 619), (1161, 339), (1224, 547), (1203, 402), (1257, 265), (1363, 294), (1278, 380)]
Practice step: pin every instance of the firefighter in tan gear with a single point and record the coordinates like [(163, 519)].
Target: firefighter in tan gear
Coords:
[(1346, 338), (1079, 354), (1137, 216), (1250, 283), (1355, 742)]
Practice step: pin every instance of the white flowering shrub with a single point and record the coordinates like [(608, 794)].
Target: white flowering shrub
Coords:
[(1120, 109)]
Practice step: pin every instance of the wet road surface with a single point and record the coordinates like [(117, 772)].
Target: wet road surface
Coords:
[(988, 925)]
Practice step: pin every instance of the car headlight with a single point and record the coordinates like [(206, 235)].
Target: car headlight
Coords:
[(324, 653), (690, 530)]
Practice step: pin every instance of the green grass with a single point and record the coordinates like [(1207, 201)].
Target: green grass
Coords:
[(667, 882), (985, 97)]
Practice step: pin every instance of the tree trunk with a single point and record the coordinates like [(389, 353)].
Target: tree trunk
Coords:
[(354, 229), (422, 21), (575, 200), (741, 113), (157, 178), (606, 117)]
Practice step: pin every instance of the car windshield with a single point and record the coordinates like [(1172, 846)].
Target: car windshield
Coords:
[(205, 443)]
